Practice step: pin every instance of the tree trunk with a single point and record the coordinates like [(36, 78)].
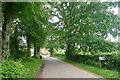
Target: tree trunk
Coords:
[(38, 49), (6, 29), (28, 47), (51, 51), (35, 48), (68, 52), (0, 32)]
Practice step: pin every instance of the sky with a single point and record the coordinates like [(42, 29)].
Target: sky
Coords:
[(56, 19)]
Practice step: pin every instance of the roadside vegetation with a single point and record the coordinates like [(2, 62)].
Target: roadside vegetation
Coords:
[(33, 67), (27, 68)]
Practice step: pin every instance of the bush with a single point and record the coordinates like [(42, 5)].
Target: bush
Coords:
[(19, 55), (112, 62), (11, 69), (29, 59), (36, 57), (44, 53)]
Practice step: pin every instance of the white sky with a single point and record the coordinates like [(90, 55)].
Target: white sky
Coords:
[(112, 38), (54, 19)]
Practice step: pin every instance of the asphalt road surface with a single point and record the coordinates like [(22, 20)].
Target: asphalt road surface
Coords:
[(56, 68)]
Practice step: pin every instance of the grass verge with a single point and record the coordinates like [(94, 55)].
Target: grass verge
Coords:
[(32, 68), (103, 72)]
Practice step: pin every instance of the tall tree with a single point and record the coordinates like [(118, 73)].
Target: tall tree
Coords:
[(82, 22), (29, 23), (6, 28), (34, 25)]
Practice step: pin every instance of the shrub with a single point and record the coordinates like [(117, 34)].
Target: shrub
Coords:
[(29, 59), (36, 57), (11, 69), (19, 55), (44, 53), (112, 62)]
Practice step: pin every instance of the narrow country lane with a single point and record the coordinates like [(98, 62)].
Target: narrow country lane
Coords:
[(56, 68)]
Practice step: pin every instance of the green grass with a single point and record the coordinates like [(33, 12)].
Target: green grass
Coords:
[(108, 53), (59, 52), (32, 68), (44, 53), (103, 72)]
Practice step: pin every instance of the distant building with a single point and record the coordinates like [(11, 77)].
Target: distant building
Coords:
[(44, 50)]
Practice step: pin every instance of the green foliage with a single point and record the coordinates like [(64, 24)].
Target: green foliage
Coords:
[(17, 56), (11, 69), (29, 59), (78, 26), (53, 40), (26, 69), (30, 24), (34, 29), (32, 68), (44, 53), (36, 57), (112, 62), (58, 52), (98, 45)]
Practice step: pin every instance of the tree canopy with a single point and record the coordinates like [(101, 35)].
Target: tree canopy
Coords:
[(82, 26), (85, 24)]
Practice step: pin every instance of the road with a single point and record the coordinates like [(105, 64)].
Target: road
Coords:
[(56, 68)]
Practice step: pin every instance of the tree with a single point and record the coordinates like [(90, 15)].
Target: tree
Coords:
[(34, 29), (6, 29), (80, 26), (29, 23), (53, 41)]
